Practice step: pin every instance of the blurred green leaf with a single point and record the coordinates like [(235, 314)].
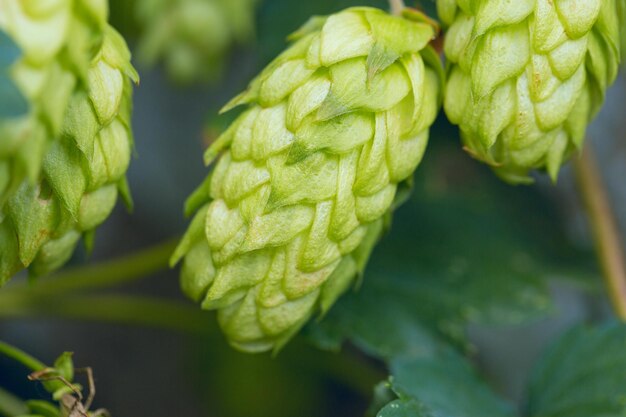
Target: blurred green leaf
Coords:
[(440, 384), (404, 407), (446, 385), (464, 249), (583, 375)]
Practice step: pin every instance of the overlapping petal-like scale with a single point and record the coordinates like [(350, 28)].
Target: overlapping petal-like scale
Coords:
[(526, 77), (308, 172), (56, 39), (621, 4), (82, 172), (192, 37)]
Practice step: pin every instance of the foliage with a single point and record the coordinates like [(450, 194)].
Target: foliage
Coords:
[(354, 98)]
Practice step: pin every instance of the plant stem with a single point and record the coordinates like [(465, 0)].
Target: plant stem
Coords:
[(21, 357), (396, 7), (123, 309), (101, 275), (604, 227), (10, 405)]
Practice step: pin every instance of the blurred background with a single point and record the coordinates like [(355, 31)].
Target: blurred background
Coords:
[(463, 236)]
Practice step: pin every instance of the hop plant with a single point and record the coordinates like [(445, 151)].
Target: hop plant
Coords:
[(525, 78), (57, 39), (309, 171), (192, 37), (82, 173), (621, 4)]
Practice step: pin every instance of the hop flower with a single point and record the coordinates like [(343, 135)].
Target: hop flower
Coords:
[(192, 36), (525, 78), (82, 173), (622, 24), (56, 39), (309, 172)]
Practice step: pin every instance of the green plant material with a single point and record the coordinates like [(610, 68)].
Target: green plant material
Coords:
[(56, 39), (279, 18), (10, 405), (82, 174), (192, 37), (63, 366), (582, 375), (40, 408), (526, 78), (440, 383), (477, 258), (309, 172), (57, 380), (621, 4)]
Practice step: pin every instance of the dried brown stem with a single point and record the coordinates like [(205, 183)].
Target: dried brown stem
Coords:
[(609, 248), (396, 7)]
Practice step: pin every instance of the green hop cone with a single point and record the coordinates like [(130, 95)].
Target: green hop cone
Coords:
[(308, 173), (621, 4), (82, 173), (56, 39), (192, 37), (526, 77)]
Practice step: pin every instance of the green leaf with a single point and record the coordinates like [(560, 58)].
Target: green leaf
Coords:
[(64, 366), (441, 383), (42, 408), (446, 385), (583, 375), (405, 407)]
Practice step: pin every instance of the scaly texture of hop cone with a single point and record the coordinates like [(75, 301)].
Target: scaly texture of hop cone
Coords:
[(309, 171), (83, 172), (622, 24), (192, 37), (57, 39), (526, 77)]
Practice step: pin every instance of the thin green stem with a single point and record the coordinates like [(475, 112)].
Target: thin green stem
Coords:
[(10, 405), (21, 357), (102, 275), (122, 309), (609, 247), (396, 7)]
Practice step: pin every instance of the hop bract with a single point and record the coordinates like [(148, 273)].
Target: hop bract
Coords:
[(622, 24), (57, 39), (192, 37), (309, 171), (83, 171), (526, 77)]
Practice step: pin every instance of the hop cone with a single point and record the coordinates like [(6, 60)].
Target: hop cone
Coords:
[(526, 77), (57, 39), (192, 37), (622, 24), (309, 171), (82, 173)]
